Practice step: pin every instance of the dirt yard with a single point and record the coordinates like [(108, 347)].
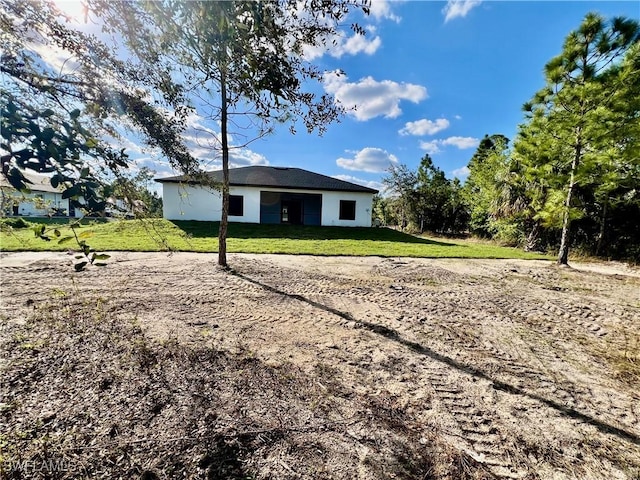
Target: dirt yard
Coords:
[(162, 366)]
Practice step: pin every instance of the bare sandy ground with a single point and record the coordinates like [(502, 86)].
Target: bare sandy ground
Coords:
[(530, 369)]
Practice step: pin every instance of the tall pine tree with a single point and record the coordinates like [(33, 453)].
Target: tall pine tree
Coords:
[(579, 111)]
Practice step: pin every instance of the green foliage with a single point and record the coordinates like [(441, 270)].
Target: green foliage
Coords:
[(572, 177), (587, 111), (17, 223), (425, 200), (134, 191), (380, 211), (401, 183), (494, 191), (60, 120), (86, 254)]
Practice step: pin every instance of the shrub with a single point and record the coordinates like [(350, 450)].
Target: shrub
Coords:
[(18, 222)]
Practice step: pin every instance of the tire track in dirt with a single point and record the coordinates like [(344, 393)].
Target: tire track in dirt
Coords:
[(565, 393), (474, 427), (484, 341)]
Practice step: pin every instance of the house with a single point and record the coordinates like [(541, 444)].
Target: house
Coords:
[(275, 195), (43, 200)]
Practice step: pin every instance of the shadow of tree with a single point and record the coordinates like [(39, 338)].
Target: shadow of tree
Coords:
[(302, 232), (394, 336)]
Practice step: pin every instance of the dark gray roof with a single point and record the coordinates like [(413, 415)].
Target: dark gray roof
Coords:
[(278, 177)]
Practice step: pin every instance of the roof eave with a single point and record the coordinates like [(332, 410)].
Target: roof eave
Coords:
[(238, 184)]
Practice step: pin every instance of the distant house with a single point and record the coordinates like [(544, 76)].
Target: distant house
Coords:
[(43, 200), (274, 195)]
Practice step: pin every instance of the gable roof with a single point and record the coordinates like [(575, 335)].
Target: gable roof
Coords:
[(277, 177), (36, 182)]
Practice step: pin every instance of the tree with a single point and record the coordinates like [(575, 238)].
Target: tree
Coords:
[(489, 164), (132, 194), (425, 199), (63, 121), (380, 210), (434, 194), (240, 61), (401, 182), (583, 107), (457, 217)]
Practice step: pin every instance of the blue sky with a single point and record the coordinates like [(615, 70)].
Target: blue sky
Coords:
[(429, 77)]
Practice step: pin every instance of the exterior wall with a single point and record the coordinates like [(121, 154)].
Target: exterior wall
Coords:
[(331, 209), (188, 202), (37, 204)]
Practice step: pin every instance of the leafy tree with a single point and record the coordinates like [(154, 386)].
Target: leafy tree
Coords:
[(242, 61), (381, 210), (426, 199), (583, 110), (401, 183), (434, 193), (485, 187), (457, 216), (135, 193), (62, 121)]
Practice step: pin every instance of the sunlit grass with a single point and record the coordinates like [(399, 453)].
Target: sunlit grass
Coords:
[(161, 235)]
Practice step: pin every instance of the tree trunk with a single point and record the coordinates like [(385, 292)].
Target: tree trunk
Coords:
[(224, 219), (531, 244), (603, 223), (563, 254)]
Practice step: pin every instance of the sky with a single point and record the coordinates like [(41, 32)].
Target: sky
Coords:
[(428, 77)]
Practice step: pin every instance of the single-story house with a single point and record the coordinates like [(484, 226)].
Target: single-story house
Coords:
[(43, 200), (275, 195)]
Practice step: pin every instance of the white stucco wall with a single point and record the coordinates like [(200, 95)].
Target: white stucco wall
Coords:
[(187, 202), (331, 209), (40, 204)]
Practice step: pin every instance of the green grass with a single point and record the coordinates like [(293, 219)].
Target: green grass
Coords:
[(158, 235)]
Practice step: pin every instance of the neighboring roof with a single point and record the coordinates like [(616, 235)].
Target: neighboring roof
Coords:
[(39, 182), (277, 177)]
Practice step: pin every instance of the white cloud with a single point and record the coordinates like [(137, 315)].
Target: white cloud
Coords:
[(369, 98), (461, 173), (243, 157), (204, 144), (431, 147), (458, 8), (461, 142), (359, 181), (424, 127), (381, 9), (368, 159), (337, 46), (356, 44), (457, 117)]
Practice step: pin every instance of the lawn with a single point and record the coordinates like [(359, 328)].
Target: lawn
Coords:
[(159, 235)]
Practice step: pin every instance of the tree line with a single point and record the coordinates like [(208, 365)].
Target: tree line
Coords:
[(570, 178)]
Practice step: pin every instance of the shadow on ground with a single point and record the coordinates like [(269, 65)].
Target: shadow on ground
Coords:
[(302, 232), (394, 336)]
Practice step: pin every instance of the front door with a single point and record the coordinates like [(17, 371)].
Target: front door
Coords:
[(291, 212)]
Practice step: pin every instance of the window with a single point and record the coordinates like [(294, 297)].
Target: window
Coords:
[(236, 205), (347, 209)]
